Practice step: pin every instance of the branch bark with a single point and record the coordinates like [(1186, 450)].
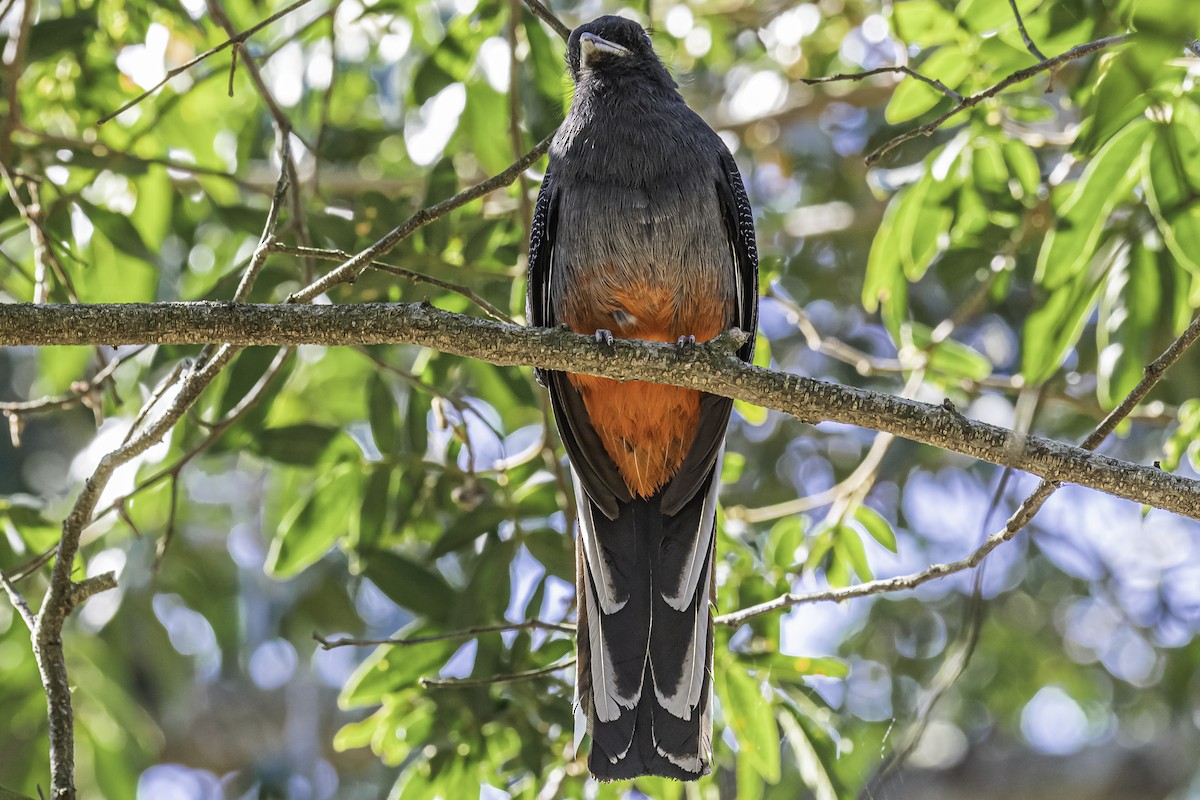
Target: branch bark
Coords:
[(711, 368)]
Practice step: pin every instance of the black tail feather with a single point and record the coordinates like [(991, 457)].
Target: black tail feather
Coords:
[(645, 660)]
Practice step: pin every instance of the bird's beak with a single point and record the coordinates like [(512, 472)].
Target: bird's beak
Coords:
[(591, 45)]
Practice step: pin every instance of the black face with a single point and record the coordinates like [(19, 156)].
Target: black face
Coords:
[(599, 54)]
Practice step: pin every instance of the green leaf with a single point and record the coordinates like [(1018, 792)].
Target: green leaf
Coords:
[(300, 444), (384, 415), (1023, 166), (409, 584), (311, 526), (1129, 313), (848, 548), (1083, 209), (874, 524), (1181, 235), (119, 230), (984, 16), (750, 716), (784, 540), (1053, 329), (988, 165), (368, 526), (794, 669), (913, 98), (391, 668)]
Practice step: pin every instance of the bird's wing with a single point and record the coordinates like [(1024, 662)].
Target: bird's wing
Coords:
[(738, 220), (596, 471)]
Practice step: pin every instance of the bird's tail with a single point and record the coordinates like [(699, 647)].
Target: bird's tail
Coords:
[(644, 683)]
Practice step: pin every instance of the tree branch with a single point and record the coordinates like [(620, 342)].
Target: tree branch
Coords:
[(711, 368)]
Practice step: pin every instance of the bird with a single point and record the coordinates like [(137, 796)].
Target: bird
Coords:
[(642, 230)]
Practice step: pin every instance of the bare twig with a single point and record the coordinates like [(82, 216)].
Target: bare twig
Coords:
[(1081, 51), (408, 274), (466, 683), (912, 73), (1029, 45), (45, 259), (352, 268), (215, 430), (268, 235), (79, 394), (547, 16), (166, 383), (113, 155), (18, 601), (467, 633), (233, 39)]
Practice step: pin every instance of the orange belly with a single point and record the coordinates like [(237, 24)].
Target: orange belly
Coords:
[(646, 428)]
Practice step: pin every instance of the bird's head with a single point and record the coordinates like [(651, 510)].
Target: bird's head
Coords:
[(613, 48)]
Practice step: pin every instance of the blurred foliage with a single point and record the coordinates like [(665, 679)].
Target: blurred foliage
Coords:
[(1026, 261)]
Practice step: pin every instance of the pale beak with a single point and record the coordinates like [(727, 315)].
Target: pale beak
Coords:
[(591, 45)]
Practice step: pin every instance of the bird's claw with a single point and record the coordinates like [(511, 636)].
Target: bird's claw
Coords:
[(604, 337), (685, 343)]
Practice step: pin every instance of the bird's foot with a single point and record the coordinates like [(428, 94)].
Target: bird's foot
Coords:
[(685, 343), (604, 337)]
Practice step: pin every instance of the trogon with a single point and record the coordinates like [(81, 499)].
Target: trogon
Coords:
[(642, 230)]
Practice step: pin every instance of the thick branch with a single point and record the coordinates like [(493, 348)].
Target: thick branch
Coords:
[(711, 368)]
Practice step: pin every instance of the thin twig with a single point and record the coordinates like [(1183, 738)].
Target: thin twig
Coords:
[(1080, 51), (18, 601), (352, 268), (80, 392), (177, 372), (268, 235), (8, 7), (282, 122), (466, 683), (912, 73), (44, 256), (235, 39), (416, 277), (111, 155), (466, 633), (215, 430), (1029, 45), (547, 16)]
